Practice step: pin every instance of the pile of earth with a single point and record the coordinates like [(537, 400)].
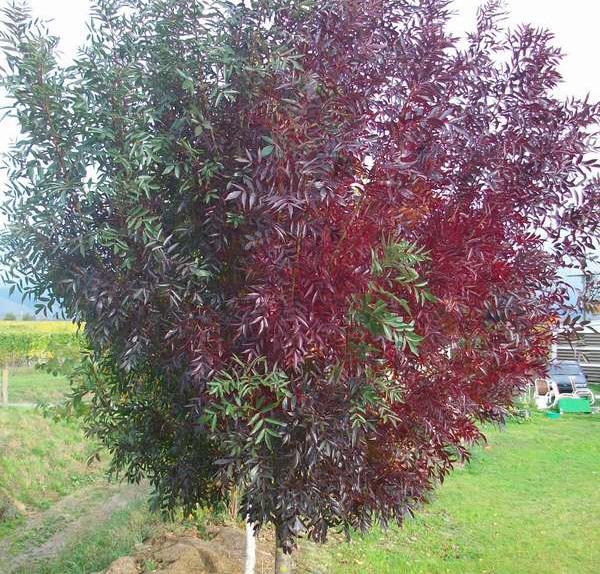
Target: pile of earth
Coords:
[(221, 552)]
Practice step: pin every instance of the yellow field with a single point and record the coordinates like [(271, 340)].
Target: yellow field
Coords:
[(37, 327)]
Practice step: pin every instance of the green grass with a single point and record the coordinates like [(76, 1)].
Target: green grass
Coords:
[(42, 460), (107, 542), (31, 385), (529, 503)]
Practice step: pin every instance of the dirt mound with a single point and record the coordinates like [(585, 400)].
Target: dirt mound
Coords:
[(222, 553), (124, 565)]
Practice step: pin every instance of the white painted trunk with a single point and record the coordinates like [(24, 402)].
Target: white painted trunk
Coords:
[(250, 548)]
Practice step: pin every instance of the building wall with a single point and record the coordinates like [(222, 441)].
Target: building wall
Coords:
[(586, 350)]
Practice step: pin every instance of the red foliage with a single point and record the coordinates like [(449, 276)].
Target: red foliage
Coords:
[(322, 245), (395, 134), (391, 133)]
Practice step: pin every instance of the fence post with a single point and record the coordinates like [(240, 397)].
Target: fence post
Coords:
[(4, 386)]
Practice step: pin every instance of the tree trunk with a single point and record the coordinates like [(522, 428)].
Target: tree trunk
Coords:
[(234, 506), (250, 547), (283, 561)]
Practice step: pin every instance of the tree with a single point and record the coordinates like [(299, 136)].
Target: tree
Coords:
[(313, 244), (10, 317)]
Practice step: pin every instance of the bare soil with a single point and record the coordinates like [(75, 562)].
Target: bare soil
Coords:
[(221, 552)]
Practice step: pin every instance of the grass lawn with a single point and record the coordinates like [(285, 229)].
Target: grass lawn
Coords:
[(108, 541), (528, 503), (42, 460), (31, 385), (44, 466), (27, 384)]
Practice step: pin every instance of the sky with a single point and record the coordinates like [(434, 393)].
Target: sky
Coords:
[(573, 22)]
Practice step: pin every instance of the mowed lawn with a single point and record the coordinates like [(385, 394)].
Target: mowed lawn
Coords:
[(42, 460), (47, 468), (528, 503)]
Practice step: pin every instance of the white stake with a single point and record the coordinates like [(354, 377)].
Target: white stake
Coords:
[(250, 547)]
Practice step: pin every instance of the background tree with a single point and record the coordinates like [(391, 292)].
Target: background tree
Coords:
[(313, 244)]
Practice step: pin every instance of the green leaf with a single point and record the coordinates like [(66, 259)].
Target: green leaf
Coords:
[(266, 151), (275, 422)]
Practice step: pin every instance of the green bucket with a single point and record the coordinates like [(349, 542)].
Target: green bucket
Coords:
[(573, 405)]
